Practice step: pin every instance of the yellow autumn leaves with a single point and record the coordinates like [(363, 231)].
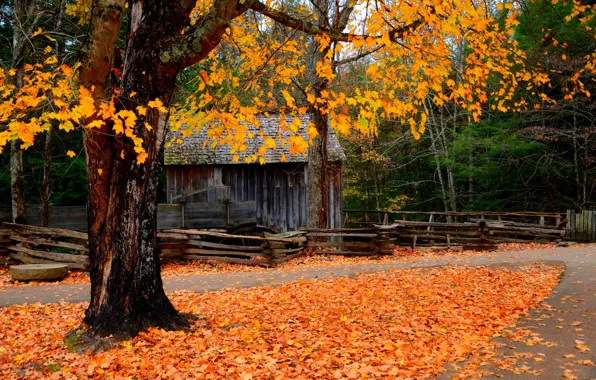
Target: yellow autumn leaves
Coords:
[(45, 97), (48, 98), (413, 53)]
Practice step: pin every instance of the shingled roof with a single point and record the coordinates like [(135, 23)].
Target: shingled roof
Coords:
[(194, 151)]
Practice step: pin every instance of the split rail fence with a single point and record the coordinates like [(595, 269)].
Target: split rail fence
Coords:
[(32, 244), (38, 245)]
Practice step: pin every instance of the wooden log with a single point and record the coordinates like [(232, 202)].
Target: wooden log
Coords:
[(49, 242), (287, 250), (230, 236), (333, 230), (504, 223), (285, 235), (45, 230), (407, 224), (357, 244), (528, 233), (55, 256), (172, 236), (287, 258), (192, 251), (230, 247), (340, 234), (227, 259), (445, 233), (539, 230), (26, 259), (435, 248), (460, 213), (346, 253), (170, 253)]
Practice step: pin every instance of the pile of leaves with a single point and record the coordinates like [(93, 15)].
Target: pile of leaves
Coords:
[(400, 324)]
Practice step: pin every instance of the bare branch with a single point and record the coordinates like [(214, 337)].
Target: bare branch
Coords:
[(310, 28)]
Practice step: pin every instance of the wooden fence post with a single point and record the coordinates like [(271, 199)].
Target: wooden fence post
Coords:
[(572, 225), (593, 224), (228, 221), (482, 225), (268, 252), (182, 217)]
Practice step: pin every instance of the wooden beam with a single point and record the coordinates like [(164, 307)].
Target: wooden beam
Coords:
[(55, 256), (45, 230)]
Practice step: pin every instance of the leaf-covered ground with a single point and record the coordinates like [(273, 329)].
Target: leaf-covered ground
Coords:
[(190, 268), (400, 324)]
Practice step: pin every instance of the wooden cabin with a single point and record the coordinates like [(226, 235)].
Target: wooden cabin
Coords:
[(273, 194)]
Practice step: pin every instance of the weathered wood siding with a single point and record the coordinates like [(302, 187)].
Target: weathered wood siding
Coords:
[(278, 190), (581, 226), (69, 217), (196, 215)]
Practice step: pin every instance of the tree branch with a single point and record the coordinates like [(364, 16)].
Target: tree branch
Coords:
[(184, 50), (310, 28)]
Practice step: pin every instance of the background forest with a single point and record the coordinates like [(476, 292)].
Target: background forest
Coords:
[(540, 159)]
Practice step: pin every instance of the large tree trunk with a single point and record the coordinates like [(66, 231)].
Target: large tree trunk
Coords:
[(126, 288)]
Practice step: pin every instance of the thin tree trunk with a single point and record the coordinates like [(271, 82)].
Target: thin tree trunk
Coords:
[(318, 181), (318, 163), (19, 210), (471, 189), (452, 192), (445, 153), (46, 185), (435, 151), (20, 48), (46, 188), (318, 160), (578, 182), (375, 176)]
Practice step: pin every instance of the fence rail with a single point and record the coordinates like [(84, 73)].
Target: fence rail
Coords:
[(360, 218), (36, 245)]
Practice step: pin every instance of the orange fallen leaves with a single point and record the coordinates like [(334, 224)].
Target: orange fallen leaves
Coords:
[(401, 324)]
